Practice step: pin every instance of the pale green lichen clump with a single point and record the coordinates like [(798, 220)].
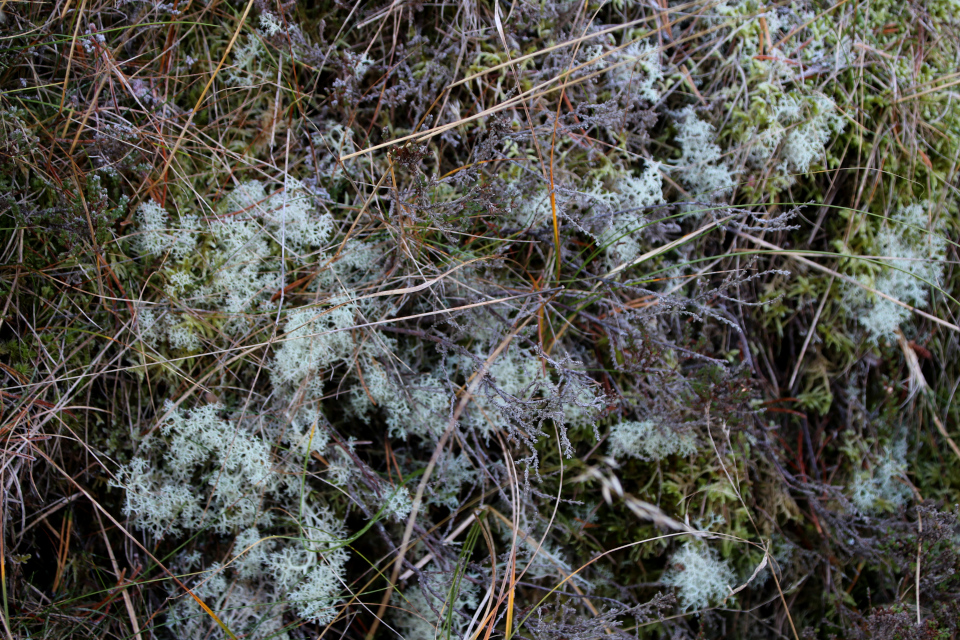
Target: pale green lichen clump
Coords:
[(702, 166), (699, 576), (648, 440), (243, 489), (911, 263), (884, 485)]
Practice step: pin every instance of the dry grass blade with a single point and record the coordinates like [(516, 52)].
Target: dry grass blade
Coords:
[(203, 94)]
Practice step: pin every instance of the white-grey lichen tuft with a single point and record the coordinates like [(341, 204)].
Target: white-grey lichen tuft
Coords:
[(700, 577)]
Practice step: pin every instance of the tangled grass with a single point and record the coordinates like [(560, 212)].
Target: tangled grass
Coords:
[(538, 320)]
